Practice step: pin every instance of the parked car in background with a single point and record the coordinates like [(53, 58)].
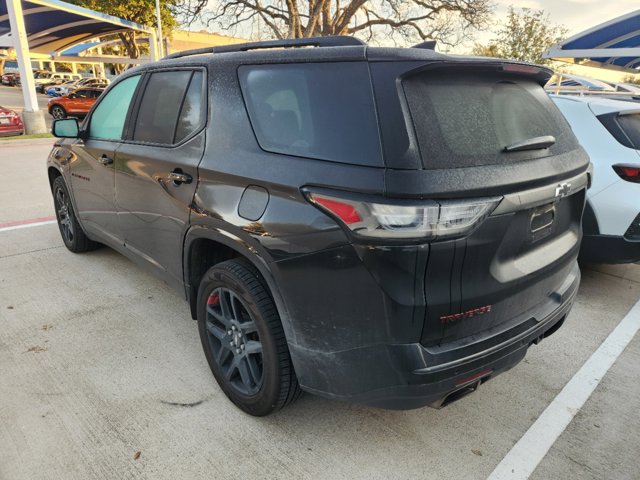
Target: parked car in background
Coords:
[(9, 79), (77, 103), (59, 90), (48, 79), (566, 81), (65, 88), (610, 132), (10, 123), (336, 218), (630, 88)]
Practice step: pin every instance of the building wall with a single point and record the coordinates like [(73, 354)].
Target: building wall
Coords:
[(182, 40)]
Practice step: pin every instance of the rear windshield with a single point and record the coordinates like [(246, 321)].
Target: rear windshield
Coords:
[(316, 110), (463, 121)]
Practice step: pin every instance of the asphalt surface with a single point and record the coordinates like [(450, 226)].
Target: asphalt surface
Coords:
[(11, 97), (103, 377)]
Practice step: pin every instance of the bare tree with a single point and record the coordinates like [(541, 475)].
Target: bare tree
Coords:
[(447, 21)]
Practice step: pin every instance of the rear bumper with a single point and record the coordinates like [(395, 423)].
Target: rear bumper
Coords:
[(411, 375), (609, 249), (13, 130)]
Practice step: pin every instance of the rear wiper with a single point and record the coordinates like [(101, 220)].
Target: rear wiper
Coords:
[(535, 143)]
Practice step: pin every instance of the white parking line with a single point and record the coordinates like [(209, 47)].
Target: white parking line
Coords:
[(525, 455), (18, 225)]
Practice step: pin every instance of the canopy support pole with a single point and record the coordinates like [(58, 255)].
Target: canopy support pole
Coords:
[(33, 117)]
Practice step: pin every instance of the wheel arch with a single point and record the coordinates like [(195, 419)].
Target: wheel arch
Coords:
[(53, 173), (217, 246)]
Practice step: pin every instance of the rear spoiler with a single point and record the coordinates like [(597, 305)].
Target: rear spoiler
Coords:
[(539, 74)]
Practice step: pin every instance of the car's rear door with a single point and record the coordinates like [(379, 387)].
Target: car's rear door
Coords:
[(156, 168), (92, 167)]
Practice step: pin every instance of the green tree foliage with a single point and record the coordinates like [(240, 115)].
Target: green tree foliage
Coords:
[(524, 36), (139, 11), (632, 78), (447, 21)]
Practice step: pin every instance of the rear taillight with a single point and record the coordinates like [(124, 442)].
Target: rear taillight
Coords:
[(424, 219), (630, 173)]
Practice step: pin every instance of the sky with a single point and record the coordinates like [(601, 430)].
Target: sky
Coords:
[(575, 15)]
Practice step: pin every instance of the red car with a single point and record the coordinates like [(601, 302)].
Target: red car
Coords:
[(10, 123), (78, 102)]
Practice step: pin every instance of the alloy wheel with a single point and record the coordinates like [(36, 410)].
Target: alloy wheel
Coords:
[(57, 112), (63, 209), (234, 341)]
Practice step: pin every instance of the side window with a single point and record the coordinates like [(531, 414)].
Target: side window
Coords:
[(107, 121), (315, 110), (191, 117), (170, 102), (83, 94)]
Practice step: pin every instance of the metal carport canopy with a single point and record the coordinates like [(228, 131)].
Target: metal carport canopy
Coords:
[(614, 45), (47, 26), (52, 25)]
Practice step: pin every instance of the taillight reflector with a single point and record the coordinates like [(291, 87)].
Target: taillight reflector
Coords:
[(630, 173), (347, 213)]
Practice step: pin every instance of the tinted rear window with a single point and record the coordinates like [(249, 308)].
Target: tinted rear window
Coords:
[(322, 110), (468, 121)]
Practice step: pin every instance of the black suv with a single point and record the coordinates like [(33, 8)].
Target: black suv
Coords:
[(387, 226)]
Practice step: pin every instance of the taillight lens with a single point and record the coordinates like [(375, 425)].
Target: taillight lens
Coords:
[(630, 173), (426, 219)]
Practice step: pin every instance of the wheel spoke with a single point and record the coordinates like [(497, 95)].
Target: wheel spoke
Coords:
[(248, 327), (236, 307), (225, 304), (216, 331), (252, 347), (223, 354), (212, 310), (60, 198), (253, 369), (232, 368), (245, 376)]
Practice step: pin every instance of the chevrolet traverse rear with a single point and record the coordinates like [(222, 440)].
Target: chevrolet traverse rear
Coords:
[(387, 226)]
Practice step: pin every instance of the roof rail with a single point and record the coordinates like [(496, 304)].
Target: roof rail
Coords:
[(335, 41)]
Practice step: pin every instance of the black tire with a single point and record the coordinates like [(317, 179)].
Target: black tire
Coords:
[(57, 111), (238, 285), (72, 234)]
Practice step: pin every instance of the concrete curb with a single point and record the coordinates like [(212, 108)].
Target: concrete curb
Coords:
[(19, 141)]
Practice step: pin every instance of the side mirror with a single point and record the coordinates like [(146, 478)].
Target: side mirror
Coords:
[(65, 128)]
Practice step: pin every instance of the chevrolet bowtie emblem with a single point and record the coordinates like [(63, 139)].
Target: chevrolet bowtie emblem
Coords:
[(563, 189)]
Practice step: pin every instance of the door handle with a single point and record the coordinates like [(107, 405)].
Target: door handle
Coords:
[(104, 160), (179, 177)]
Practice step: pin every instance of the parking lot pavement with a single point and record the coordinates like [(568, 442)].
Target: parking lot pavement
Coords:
[(101, 361), (25, 193)]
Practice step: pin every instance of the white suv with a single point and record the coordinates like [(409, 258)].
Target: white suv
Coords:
[(609, 130)]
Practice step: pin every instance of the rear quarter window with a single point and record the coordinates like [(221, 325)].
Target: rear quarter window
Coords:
[(624, 127), (463, 121), (316, 110)]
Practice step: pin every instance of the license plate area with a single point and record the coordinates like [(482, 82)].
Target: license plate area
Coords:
[(4, 121)]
